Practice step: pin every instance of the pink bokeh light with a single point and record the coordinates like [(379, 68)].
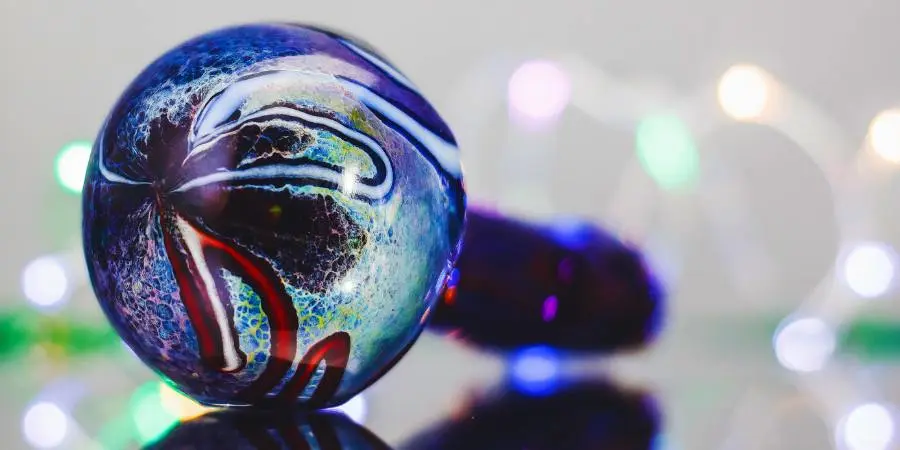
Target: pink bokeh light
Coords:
[(539, 90)]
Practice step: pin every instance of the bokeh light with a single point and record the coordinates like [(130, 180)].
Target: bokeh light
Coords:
[(667, 152), (71, 165), (869, 269), (45, 425), (884, 135), (744, 92), (804, 345), (45, 281), (539, 90), (356, 409), (535, 370), (179, 405), (867, 427), (151, 418)]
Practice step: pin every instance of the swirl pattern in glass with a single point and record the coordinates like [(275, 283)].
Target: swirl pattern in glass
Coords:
[(270, 212)]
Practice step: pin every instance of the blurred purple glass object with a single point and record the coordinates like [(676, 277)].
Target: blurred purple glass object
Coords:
[(566, 284)]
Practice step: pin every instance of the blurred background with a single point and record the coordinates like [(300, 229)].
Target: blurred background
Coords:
[(750, 147)]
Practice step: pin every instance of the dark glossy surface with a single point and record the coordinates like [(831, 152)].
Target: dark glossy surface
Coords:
[(281, 430), (577, 416), (264, 199)]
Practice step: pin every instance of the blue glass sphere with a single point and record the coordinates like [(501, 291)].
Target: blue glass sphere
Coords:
[(270, 213)]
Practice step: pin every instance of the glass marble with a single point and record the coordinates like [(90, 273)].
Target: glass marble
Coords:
[(270, 213)]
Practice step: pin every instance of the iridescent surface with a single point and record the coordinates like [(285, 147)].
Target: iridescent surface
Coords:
[(270, 212)]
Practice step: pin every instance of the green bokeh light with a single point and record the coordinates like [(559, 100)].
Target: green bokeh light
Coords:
[(151, 419), (21, 329), (117, 434), (16, 334), (71, 165), (667, 151), (872, 339)]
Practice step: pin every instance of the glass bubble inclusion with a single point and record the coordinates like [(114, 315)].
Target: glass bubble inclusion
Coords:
[(270, 212)]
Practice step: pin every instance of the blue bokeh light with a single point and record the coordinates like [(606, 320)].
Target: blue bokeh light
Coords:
[(535, 370)]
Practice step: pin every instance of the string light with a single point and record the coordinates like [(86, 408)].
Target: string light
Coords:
[(45, 425), (666, 151), (45, 281), (539, 90), (744, 92), (71, 165), (867, 427), (869, 269), (804, 345), (884, 135)]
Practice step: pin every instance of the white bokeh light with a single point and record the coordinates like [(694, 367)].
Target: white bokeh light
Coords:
[(45, 281), (355, 409), (539, 90), (884, 135), (867, 427), (71, 165), (45, 425), (744, 92), (804, 345), (869, 269)]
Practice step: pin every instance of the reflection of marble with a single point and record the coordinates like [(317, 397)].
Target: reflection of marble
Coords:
[(580, 415), (270, 430)]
